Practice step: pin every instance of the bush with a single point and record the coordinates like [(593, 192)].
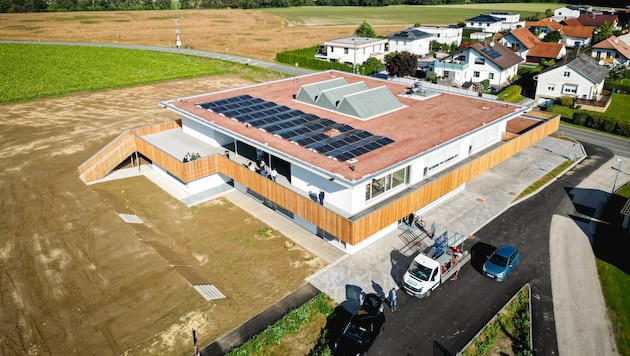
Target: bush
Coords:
[(623, 128), (594, 121), (566, 100), (617, 86), (608, 124), (513, 93), (579, 118)]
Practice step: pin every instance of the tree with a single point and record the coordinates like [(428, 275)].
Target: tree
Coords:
[(603, 32), (548, 13), (365, 30), (402, 64), (553, 36), (618, 71)]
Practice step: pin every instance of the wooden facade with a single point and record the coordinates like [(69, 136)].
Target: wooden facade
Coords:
[(351, 231)]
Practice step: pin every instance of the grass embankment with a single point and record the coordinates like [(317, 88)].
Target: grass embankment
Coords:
[(613, 268), (544, 180), (509, 331), (30, 72), (296, 333)]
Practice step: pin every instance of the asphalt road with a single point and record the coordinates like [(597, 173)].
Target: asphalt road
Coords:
[(618, 145), (457, 310)]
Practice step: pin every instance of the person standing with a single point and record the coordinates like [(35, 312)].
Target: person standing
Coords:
[(274, 174), (321, 197), (393, 299)]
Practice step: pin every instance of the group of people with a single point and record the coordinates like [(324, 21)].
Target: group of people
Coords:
[(191, 157), (264, 170)]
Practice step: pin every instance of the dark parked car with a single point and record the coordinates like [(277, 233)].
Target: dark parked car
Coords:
[(501, 262), (362, 328)]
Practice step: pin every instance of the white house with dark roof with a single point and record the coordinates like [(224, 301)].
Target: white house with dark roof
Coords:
[(510, 21), (352, 50), (410, 40), (580, 77), (443, 34), (570, 11), (482, 60), (485, 23), (612, 51)]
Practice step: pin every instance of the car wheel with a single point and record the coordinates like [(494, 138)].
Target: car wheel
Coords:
[(428, 293)]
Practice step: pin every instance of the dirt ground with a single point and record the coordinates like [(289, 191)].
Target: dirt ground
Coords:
[(76, 279), (250, 33)]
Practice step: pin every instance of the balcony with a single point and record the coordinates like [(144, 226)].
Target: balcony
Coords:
[(599, 104), (451, 66)]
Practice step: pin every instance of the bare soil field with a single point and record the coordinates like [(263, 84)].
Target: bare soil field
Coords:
[(76, 279), (250, 33)]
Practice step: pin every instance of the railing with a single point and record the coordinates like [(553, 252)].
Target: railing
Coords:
[(451, 66)]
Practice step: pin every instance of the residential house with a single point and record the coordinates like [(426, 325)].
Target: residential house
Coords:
[(596, 20), (546, 50), (484, 23), (580, 77), (571, 11), (576, 36), (377, 152), (529, 47), (443, 34), (543, 27), (612, 51), (410, 40), (352, 50), (571, 22), (510, 21), (482, 60)]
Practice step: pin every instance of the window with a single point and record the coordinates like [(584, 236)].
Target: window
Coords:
[(569, 89), (476, 74), (345, 51), (381, 185), (567, 74), (480, 61), (332, 49), (617, 55), (551, 87), (490, 75)]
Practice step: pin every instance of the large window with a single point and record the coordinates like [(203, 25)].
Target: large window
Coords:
[(569, 89), (380, 185)]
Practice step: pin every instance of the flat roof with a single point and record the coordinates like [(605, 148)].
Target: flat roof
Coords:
[(415, 129)]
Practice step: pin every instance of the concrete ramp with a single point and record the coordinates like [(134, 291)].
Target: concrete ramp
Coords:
[(209, 291)]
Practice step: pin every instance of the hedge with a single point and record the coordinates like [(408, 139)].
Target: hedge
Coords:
[(600, 122), (617, 86), (513, 93), (305, 58)]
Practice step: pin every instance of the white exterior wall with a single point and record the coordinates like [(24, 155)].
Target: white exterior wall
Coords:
[(338, 53), (565, 12), (555, 84), (419, 47), (609, 57), (511, 42), (445, 35), (484, 26), (202, 132), (193, 187), (487, 70), (573, 42)]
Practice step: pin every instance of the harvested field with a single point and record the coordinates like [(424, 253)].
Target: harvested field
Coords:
[(250, 33), (76, 279)]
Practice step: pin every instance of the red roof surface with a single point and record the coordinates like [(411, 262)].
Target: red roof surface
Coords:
[(614, 43), (526, 37), (577, 31), (596, 20), (551, 24), (418, 127), (546, 50)]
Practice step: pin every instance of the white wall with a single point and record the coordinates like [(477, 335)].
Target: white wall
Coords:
[(444, 35), (419, 47), (555, 83)]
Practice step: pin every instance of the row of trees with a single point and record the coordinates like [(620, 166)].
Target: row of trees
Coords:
[(103, 5)]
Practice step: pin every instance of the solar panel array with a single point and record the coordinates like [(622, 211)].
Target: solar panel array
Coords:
[(491, 52), (306, 130)]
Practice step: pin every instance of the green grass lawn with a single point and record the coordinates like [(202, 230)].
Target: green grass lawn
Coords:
[(618, 108), (614, 280), (400, 14), (36, 71)]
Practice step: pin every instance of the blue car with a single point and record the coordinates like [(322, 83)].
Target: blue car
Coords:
[(501, 262)]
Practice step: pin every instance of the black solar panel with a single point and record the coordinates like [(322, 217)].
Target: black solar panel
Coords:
[(307, 130)]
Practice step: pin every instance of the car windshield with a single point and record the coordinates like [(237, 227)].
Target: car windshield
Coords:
[(498, 260), (419, 271), (355, 331)]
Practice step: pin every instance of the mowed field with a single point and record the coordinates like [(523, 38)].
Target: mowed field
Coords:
[(257, 34)]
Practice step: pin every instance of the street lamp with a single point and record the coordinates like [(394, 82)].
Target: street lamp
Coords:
[(616, 175)]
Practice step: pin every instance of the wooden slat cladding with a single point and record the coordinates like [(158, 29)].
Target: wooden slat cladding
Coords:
[(105, 162), (352, 232), (102, 162), (389, 214)]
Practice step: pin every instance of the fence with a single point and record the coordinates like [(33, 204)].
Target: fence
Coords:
[(442, 88)]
